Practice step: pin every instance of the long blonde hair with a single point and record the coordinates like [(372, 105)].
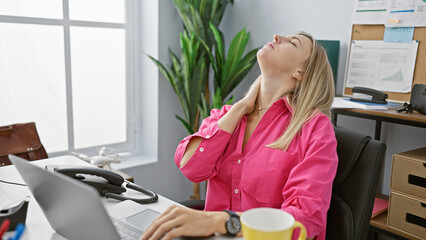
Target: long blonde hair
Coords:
[(314, 93)]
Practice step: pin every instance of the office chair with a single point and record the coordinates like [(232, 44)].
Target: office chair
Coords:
[(354, 187)]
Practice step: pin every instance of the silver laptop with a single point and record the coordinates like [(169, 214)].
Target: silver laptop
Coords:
[(74, 210)]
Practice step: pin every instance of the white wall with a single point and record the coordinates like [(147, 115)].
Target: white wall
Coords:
[(329, 20), (159, 105)]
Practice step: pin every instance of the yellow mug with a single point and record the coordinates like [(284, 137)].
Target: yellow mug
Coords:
[(269, 223)]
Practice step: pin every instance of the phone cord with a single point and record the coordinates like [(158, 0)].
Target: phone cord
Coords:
[(153, 196)]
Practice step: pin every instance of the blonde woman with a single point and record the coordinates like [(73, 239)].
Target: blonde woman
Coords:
[(273, 148)]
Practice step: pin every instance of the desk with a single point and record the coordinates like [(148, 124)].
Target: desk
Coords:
[(37, 226), (415, 119)]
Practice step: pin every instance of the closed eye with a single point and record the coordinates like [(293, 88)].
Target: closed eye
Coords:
[(294, 44)]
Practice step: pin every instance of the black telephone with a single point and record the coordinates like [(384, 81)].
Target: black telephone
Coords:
[(376, 95), (107, 183)]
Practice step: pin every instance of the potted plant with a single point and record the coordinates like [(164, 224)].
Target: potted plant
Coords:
[(202, 47)]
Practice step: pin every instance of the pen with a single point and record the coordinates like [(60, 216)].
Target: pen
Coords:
[(18, 231), (4, 227)]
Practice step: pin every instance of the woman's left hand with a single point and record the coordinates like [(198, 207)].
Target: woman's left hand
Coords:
[(179, 221)]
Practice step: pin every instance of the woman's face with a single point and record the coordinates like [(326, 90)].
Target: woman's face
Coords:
[(285, 54)]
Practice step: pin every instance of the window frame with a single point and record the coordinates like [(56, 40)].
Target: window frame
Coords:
[(130, 27)]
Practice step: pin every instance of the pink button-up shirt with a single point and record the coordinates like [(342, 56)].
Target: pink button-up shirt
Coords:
[(299, 180)]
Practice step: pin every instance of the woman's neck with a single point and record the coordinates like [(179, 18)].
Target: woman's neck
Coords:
[(272, 89)]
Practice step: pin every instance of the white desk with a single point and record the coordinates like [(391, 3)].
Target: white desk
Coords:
[(37, 226)]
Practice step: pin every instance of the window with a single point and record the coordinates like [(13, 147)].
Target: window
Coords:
[(68, 66)]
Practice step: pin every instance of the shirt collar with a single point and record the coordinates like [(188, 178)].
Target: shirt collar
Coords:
[(286, 103)]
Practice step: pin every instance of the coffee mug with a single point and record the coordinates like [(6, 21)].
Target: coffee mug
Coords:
[(269, 223)]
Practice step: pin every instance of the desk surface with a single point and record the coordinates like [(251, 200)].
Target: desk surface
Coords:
[(413, 119), (37, 226)]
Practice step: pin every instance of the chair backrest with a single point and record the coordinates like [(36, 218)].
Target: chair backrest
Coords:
[(355, 185), (22, 140)]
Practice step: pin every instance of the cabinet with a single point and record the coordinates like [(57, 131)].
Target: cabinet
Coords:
[(407, 205)]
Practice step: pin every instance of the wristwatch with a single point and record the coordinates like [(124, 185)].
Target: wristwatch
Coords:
[(233, 225)]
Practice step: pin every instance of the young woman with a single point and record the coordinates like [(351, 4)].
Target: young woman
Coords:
[(273, 148)]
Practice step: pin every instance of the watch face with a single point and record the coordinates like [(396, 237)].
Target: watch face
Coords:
[(233, 225)]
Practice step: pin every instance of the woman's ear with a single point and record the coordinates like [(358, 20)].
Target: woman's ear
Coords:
[(298, 75)]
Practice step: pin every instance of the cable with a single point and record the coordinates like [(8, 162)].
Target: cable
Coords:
[(153, 196), (20, 184)]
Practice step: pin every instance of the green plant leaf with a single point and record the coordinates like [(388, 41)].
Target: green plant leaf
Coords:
[(204, 107), (243, 68), (229, 102), (197, 23), (186, 124), (219, 45), (235, 52), (217, 98), (212, 61)]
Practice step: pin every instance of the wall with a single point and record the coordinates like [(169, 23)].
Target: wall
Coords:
[(262, 18), (158, 104)]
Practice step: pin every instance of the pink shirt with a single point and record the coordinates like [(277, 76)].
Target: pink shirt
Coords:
[(299, 181)]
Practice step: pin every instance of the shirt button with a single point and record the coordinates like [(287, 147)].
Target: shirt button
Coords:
[(208, 136), (236, 191), (239, 161), (201, 149)]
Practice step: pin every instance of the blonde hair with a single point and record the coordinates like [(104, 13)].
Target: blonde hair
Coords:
[(314, 93)]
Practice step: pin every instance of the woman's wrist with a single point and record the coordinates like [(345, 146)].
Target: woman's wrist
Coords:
[(218, 220), (243, 107)]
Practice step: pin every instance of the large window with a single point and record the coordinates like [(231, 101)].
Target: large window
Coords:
[(68, 66)]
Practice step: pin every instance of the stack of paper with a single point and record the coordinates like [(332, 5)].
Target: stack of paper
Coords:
[(340, 102)]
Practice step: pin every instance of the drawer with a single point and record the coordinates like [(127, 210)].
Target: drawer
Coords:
[(407, 214), (409, 175)]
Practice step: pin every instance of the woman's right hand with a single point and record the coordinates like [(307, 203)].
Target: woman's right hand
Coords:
[(249, 100)]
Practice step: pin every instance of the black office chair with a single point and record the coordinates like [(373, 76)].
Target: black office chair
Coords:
[(355, 185)]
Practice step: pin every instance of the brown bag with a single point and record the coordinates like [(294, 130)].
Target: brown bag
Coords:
[(21, 140)]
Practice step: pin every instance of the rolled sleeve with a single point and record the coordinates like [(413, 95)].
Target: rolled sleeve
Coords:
[(205, 161)]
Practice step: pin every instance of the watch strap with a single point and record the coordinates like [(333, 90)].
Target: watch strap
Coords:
[(232, 215)]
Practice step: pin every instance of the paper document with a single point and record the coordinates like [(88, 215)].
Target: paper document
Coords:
[(382, 65), (342, 102), (392, 13), (406, 13), (370, 12)]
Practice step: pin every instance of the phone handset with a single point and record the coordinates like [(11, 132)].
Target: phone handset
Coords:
[(108, 184), (104, 181)]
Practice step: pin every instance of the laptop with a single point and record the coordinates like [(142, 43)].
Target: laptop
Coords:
[(75, 211)]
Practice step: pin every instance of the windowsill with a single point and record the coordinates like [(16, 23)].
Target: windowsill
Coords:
[(134, 161)]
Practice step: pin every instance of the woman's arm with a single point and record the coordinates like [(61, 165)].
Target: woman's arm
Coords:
[(229, 121)]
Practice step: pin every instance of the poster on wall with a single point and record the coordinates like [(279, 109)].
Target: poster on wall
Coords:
[(369, 11), (385, 66), (406, 13), (392, 13)]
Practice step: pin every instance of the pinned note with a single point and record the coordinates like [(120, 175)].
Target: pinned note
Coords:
[(396, 20), (399, 34)]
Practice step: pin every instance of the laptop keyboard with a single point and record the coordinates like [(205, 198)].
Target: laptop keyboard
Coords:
[(126, 231)]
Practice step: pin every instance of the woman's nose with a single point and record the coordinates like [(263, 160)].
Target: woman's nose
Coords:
[(277, 38)]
